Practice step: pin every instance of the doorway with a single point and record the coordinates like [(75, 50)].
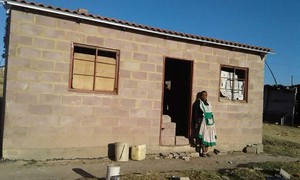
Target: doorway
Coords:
[(178, 93)]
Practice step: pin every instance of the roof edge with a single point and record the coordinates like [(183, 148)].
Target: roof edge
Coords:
[(59, 11)]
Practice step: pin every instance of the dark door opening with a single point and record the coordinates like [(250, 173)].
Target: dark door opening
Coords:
[(177, 93)]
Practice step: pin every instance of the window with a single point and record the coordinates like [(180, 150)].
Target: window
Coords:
[(94, 69), (233, 83)]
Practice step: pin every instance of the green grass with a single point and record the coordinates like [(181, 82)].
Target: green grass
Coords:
[(192, 174), (245, 173), (270, 167), (281, 140), (254, 171)]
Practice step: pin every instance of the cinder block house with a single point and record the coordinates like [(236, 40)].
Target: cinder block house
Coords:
[(77, 82)]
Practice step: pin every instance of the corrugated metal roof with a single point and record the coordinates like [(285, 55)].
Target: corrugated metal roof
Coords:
[(136, 26)]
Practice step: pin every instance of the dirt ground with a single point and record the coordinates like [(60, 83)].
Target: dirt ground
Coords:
[(96, 168)]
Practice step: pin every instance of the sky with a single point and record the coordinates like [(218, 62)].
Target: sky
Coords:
[(269, 23)]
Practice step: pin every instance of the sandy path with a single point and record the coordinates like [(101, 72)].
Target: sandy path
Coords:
[(96, 168)]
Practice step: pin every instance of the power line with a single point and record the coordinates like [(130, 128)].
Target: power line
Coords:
[(271, 72)]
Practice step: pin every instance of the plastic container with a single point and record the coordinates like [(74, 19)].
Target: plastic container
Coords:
[(121, 151), (113, 170), (138, 152)]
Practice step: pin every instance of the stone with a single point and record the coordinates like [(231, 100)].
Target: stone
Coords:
[(226, 177), (184, 178), (251, 150), (284, 174), (220, 152), (182, 155), (258, 169), (170, 156), (259, 148), (194, 154), (163, 154), (186, 158)]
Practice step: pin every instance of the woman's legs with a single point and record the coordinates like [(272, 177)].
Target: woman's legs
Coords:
[(205, 151), (197, 144)]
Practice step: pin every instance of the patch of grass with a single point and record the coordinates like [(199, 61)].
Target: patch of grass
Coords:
[(4, 160), (245, 173), (281, 147), (257, 171), (290, 167), (254, 171), (30, 162), (192, 174), (281, 140)]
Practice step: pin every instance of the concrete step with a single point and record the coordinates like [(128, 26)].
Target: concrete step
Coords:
[(168, 149), (181, 140), (166, 119)]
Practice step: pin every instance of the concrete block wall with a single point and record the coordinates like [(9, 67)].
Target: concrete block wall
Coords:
[(44, 120)]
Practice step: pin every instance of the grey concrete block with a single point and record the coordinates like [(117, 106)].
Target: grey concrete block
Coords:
[(186, 158), (251, 150), (184, 178), (166, 119), (284, 174), (259, 148), (194, 154)]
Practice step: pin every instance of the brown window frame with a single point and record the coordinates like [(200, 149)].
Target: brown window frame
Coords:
[(96, 49), (245, 79)]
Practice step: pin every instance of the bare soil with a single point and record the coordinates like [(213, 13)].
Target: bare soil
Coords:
[(97, 168)]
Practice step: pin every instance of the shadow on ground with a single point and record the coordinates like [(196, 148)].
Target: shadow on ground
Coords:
[(85, 174)]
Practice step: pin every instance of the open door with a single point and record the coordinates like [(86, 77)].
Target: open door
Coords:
[(178, 93)]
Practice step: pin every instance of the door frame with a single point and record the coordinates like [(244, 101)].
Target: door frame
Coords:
[(191, 94)]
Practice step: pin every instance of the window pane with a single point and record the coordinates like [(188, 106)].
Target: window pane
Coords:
[(82, 82), (105, 70), (83, 67), (86, 57), (94, 69), (232, 83), (108, 54), (104, 84), (226, 84), (108, 60), (84, 52), (240, 73)]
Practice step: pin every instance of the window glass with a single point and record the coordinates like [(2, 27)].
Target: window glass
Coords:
[(94, 69), (233, 83)]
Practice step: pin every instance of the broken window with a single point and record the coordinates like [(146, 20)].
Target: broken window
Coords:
[(233, 83), (94, 69)]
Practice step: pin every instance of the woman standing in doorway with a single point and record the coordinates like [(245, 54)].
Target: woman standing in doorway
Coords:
[(207, 132)]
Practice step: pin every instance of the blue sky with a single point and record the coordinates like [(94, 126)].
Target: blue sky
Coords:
[(269, 23)]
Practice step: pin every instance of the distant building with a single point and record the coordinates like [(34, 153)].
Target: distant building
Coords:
[(77, 82), (281, 104)]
